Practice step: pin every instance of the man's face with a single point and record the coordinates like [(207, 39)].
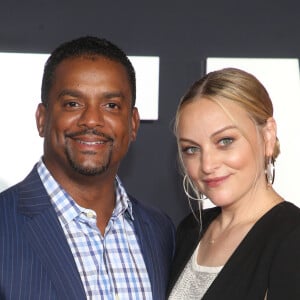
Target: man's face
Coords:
[(89, 121)]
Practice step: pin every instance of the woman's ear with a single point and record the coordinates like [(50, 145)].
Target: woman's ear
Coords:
[(40, 116), (269, 135)]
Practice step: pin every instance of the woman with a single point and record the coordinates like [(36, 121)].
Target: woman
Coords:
[(248, 246)]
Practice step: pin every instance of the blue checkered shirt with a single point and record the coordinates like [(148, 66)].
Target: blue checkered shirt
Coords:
[(111, 266)]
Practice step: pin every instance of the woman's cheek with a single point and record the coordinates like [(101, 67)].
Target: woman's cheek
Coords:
[(192, 169)]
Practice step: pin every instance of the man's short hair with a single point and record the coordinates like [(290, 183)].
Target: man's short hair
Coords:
[(85, 46)]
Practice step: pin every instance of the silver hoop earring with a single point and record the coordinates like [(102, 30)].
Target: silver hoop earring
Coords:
[(185, 188), (270, 170)]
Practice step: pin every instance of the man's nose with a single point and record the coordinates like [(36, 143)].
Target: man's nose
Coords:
[(92, 116)]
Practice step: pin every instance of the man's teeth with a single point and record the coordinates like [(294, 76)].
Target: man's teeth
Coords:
[(91, 143)]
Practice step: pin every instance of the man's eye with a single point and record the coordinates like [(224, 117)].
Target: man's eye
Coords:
[(226, 141), (71, 104), (111, 105)]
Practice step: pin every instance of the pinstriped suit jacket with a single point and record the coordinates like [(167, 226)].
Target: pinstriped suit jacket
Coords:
[(36, 261)]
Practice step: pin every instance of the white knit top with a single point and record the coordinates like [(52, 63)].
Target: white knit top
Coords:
[(194, 281)]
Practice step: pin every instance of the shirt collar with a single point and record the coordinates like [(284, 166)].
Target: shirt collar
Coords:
[(67, 209)]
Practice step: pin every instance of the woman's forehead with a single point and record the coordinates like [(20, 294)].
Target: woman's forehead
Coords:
[(210, 116)]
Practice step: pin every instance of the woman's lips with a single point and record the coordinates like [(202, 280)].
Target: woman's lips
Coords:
[(216, 181)]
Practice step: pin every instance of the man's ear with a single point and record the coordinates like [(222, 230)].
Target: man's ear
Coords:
[(269, 135), (40, 118), (135, 123)]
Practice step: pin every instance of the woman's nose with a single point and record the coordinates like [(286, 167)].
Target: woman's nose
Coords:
[(209, 161)]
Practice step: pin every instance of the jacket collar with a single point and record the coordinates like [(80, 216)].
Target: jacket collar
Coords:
[(46, 237)]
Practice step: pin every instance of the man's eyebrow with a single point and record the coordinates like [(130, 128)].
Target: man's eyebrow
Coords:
[(75, 93), (110, 95), (69, 92)]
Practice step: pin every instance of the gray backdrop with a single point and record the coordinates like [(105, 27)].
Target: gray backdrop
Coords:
[(183, 34)]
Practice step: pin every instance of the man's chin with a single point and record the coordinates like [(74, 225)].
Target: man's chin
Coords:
[(88, 171), (89, 165)]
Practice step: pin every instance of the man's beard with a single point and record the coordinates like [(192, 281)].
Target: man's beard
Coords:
[(89, 171)]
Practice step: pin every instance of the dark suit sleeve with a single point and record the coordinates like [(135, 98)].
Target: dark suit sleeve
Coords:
[(284, 282), (156, 234)]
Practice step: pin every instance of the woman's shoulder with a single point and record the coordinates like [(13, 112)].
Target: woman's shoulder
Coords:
[(286, 211), (289, 206), (278, 222)]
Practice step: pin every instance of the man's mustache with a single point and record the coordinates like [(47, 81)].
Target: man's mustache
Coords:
[(89, 132)]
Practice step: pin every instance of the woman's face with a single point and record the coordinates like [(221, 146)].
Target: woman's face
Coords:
[(224, 161)]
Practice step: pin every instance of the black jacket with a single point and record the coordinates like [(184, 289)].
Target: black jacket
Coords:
[(268, 259)]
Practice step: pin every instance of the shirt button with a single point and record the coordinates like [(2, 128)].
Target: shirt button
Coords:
[(90, 214)]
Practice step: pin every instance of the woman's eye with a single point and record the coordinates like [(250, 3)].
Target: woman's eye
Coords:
[(226, 141), (190, 150)]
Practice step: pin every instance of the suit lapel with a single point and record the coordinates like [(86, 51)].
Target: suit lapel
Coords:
[(147, 243), (47, 239)]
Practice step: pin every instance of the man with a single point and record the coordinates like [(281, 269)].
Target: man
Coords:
[(69, 230)]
